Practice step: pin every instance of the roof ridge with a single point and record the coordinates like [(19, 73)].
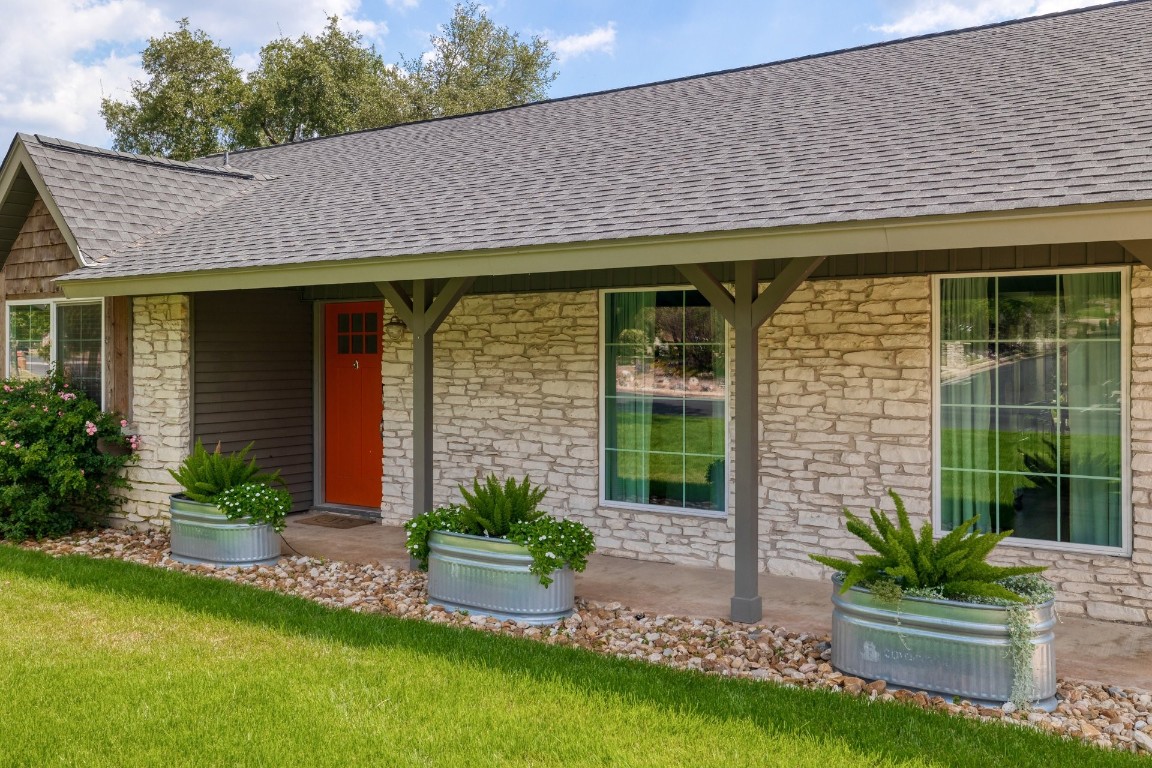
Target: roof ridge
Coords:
[(699, 76), (128, 157)]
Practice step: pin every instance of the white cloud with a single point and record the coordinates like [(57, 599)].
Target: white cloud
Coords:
[(402, 5), (599, 40), (937, 15), (59, 57)]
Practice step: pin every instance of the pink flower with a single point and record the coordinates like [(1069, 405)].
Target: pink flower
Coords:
[(90, 428), (123, 422), (3, 442), (16, 445)]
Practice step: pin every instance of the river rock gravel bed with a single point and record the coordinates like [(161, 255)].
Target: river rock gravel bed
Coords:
[(1112, 717)]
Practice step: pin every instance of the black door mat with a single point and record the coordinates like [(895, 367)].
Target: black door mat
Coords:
[(327, 520)]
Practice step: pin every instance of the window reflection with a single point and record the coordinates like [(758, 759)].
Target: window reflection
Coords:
[(665, 395)]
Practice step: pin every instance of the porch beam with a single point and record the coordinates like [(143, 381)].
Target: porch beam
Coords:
[(1141, 249), (446, 300), (423, 313), (711, 289), (782, 286), (400, 300)]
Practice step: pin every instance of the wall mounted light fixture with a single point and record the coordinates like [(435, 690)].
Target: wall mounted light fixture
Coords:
[(395, 328)]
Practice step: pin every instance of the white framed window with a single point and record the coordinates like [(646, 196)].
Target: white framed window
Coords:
[(664, 402), (1031, 374), (68, 334)]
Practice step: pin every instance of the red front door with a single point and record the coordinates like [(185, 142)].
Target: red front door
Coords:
[(352, 404)]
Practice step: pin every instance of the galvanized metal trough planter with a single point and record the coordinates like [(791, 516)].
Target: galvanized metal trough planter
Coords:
[(202, 534), (490, 577), (943, 647)]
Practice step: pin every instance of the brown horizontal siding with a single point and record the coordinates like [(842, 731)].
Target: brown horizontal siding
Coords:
[(252, 380)]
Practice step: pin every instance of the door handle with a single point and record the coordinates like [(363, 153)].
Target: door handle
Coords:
[(356, 365)]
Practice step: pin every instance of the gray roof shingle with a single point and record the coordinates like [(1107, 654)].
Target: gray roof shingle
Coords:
[(1051, 111), (112, 199)]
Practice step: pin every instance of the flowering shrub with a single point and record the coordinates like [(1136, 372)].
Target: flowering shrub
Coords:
[(60, 458), (257, 502)]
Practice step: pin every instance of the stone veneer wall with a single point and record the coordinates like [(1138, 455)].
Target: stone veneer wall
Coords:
[(846, 399), (161, 404), (516, 393)]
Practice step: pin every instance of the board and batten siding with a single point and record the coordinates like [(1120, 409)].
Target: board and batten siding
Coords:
[(252, 380)]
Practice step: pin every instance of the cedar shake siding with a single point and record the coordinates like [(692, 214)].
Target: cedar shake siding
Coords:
[(252, 380), (39, 255)]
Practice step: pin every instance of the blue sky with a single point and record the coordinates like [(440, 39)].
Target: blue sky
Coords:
[(57, 57)]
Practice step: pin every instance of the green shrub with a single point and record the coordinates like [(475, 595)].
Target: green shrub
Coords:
[(953, 566), (492, 509), (235, 484), (54, 477)]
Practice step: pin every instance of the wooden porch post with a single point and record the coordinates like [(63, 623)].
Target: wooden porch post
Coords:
[(746, 312), (423, 315)]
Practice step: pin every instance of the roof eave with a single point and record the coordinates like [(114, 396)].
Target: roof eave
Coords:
[(1070, 224)]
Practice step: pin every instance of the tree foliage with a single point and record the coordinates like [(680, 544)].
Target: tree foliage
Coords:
[(475, 66), (318, 86), (196, 102), (190, 104)]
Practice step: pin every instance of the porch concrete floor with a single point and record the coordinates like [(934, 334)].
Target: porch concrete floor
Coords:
[(1097, 651)]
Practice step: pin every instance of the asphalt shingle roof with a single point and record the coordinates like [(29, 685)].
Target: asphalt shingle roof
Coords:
[(112, 199), (1052, 111)]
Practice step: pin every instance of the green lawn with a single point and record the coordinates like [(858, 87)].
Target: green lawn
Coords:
[(106, 663)]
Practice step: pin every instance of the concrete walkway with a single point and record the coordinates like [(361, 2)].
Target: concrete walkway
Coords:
[(1097, 651)]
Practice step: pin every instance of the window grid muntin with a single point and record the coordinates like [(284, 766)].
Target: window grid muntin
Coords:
[(609, 319), (1124, 342), (9, 361)]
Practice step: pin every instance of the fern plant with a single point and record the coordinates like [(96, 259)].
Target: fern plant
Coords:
[(493, 508), (235, 484), (954, 565)]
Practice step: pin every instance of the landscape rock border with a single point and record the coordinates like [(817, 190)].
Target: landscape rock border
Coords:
[(1112, 717)]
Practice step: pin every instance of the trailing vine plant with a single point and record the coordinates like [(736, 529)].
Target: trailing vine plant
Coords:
[(911, 564)]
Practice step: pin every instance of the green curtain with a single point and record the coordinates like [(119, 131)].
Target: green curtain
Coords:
[(967, 388), (629, 339), (1093, 375)]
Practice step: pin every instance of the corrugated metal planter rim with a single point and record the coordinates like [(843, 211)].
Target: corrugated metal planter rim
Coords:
[(944, 647), (490, 577), (202, 534)]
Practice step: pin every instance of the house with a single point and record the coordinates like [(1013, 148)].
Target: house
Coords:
[(707, 313)]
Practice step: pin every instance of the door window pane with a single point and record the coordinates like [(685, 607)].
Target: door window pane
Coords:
[(665, 400), (1030, 418)]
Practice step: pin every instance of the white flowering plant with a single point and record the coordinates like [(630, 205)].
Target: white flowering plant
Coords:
[(507, 511), (554, 544), (257, 502)]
